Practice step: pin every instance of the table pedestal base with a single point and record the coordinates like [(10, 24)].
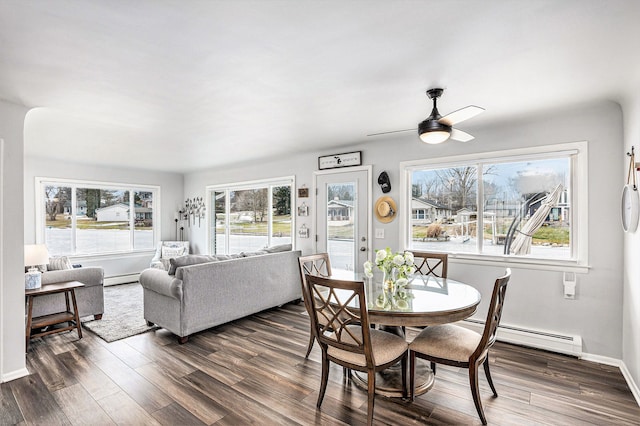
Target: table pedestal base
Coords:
[(389, 381)]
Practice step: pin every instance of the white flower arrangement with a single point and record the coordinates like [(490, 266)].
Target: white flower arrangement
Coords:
[(386, 261)]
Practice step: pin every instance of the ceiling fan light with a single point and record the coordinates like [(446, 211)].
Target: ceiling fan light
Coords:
[(434, 137), (433, 132)]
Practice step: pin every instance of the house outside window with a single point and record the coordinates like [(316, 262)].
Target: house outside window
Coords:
[(89, 218), (250, 216), (521, 204)]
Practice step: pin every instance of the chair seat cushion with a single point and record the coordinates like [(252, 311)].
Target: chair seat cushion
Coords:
[(386, 348), (448, 341)]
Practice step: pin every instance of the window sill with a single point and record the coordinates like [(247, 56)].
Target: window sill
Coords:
[(520, 262), (112, 255)]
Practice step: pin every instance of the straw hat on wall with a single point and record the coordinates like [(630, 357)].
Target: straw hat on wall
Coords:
[(385, 209)]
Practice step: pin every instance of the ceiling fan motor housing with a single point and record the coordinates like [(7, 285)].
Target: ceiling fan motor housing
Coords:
[(432, 125)]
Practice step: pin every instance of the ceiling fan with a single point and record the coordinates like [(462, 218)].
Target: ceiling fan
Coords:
[(436, 128)]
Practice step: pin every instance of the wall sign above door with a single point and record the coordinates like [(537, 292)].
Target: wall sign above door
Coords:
[(340, 160)]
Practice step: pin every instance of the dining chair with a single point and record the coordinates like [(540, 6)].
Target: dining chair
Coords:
[(427, 263), (315, 264), (457, 346), (346, 338)]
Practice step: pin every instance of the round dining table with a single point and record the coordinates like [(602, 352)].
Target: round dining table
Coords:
[(426, 300)]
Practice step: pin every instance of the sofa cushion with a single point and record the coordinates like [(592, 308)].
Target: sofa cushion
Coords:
[(189, 259), (279, 248), (228, 256), (59, 263), (253, 253)]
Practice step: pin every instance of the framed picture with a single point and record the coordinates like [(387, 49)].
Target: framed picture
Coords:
[(303, 192), (303, 232), (303, 210), (340, 160)]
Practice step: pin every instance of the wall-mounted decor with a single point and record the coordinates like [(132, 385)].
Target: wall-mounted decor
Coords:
[(303, 192), (193, 208), (385, 209), (630, 200), (303, 232), (303, 210), (384, 182), (340, 160)]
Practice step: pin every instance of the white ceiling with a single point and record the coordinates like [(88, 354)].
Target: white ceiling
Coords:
[(184, 85)]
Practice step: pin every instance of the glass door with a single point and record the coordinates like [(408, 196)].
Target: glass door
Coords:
[(342, 222)]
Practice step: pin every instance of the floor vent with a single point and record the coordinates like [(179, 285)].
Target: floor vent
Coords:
[(550, 341)]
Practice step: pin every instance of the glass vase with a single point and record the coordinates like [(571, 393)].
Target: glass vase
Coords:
[(389, 287)]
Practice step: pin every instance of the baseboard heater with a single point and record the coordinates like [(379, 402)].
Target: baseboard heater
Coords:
[(549, 341), (121, 279)]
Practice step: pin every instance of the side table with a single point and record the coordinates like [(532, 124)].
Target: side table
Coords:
[(68, 316)]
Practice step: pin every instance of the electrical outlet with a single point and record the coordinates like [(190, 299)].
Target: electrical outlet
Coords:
[(379, 233)]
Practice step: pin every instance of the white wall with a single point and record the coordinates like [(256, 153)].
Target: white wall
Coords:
[(171, 199), (631, 305), (12, 361), (535, 298)]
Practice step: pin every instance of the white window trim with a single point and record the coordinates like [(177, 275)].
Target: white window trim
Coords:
[(39, 211), (579, 210), (245, 185)]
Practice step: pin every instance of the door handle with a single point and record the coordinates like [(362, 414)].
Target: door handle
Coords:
[(363, 249)]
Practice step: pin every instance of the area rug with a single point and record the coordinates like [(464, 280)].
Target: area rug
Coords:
[(123, 314)]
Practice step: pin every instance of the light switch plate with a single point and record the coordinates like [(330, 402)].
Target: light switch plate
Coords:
[(379, 233)]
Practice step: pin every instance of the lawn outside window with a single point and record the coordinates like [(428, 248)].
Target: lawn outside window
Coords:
[(481, 207), (85, 218), (249, 216)]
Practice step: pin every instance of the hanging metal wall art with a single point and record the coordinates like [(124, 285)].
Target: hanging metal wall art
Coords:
[(193, 209)]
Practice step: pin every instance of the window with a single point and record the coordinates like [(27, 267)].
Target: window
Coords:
[(85, 218), (250, 216), (520, 204)]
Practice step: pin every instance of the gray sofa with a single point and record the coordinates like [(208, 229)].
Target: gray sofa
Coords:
[(204, 295), (90, 298)]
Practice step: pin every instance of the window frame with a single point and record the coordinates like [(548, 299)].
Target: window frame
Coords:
[(268, 183), (41, 182), (578, 154)]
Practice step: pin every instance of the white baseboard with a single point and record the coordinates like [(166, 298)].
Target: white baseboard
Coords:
[(540, 339), (121, 279), (635, 390), (14, 375), (555, 342)]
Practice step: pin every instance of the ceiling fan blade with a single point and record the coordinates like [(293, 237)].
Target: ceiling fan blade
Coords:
[(393, 131), (460, 115), (460, 136)]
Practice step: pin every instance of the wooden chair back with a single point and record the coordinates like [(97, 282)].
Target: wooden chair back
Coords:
[(435, 264), (317, 265), (335, 324), (494, 314)]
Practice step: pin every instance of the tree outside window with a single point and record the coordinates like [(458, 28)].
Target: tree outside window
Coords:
[(456, 220)]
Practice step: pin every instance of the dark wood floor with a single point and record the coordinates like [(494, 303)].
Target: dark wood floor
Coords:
[(253, 371)]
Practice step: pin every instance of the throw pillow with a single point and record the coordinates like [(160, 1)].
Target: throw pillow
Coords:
[(59, 263), (278, 248), (171, 252), (228, 256), (253, 253), (187, 260)]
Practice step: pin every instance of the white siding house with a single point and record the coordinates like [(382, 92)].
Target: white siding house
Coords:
[(114, 213)]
